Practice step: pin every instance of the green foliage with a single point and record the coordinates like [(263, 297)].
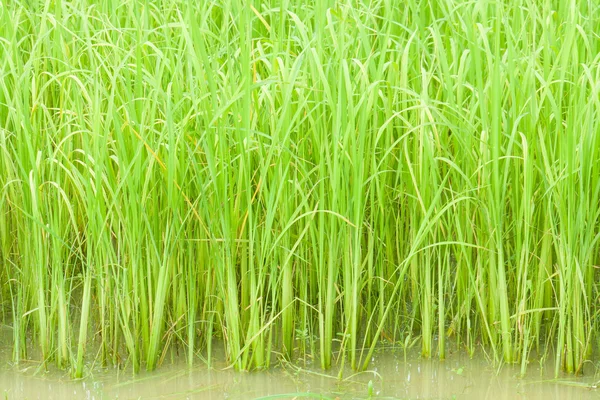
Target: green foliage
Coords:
[(338, 173)]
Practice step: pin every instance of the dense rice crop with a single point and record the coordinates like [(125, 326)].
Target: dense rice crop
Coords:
[(299, 178)]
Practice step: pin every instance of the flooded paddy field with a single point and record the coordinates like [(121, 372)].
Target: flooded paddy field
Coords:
[(391, 377), (248, 182)]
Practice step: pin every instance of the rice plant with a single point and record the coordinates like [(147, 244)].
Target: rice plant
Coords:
[(297, 179)]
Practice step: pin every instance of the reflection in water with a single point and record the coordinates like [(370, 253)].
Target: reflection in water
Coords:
[(458, 377)]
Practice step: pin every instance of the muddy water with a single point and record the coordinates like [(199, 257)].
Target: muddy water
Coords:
[(391, 377)]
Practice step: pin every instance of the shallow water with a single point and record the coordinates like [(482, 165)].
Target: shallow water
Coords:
[(456, 378)]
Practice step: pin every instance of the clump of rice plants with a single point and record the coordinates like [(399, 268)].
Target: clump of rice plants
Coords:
[(299, 178)]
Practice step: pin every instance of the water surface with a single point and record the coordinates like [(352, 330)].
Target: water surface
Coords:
[(458, 377)]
